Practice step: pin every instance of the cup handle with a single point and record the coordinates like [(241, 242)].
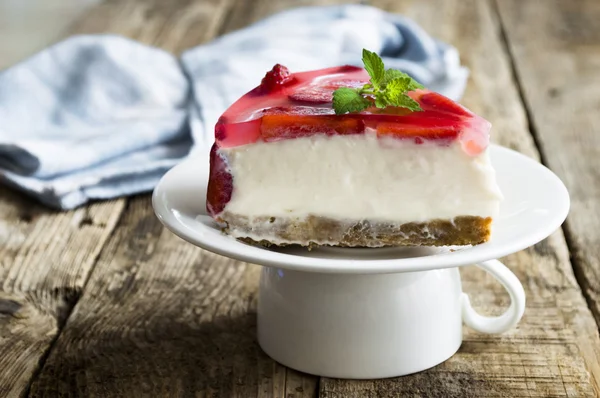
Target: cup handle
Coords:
[(511, 316)]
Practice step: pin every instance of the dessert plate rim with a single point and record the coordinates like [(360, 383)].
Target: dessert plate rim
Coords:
[(179, 203)]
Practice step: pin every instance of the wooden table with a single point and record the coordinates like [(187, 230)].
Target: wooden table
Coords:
[(103, 301)]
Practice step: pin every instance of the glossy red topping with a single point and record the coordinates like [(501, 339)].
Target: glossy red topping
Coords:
[(287, 106), (296, 105)]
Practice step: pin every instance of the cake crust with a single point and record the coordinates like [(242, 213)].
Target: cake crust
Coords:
[(319, 231)]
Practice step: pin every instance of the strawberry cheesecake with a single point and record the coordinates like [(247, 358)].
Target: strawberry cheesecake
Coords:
[(378, 168)]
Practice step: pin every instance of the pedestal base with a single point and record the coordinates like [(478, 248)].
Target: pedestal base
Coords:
[(360, 326)]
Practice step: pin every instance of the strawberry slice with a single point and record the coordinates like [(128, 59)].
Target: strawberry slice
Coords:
[(436, 102), (313, 94), (412, 131), (322, 93), (220, 184), (280, 127)]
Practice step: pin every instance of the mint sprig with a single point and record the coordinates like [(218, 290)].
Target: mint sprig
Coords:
[(348, 100), (386, 88)]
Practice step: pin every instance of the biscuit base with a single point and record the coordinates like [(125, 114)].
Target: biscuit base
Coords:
[(321, 231)]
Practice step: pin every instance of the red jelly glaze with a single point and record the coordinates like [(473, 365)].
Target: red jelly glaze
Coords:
[(305, 99), (288, 106)]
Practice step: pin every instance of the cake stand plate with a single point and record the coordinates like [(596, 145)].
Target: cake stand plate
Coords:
[(373, 313)]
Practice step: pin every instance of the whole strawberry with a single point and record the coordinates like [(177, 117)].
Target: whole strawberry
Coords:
[(276, 78)]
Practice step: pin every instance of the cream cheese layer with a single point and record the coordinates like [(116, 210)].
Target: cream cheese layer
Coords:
[(360, 177)]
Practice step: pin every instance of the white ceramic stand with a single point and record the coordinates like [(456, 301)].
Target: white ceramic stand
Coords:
[(374, 325), (372, 313)]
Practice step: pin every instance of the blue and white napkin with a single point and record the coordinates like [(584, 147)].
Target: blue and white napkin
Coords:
[(98, 117)]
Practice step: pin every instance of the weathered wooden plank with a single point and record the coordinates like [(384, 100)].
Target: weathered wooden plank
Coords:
[(161, 318), (554, 352), (300, 385), (45, 258), (251, 11), (557, 57)]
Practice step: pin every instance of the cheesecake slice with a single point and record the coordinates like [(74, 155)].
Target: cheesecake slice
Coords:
[(286, 169)]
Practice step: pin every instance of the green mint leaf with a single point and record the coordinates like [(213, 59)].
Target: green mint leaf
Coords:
[(381, 100), (349, 100), (395, 93), (391, 74), (374, 66), (405, 101), (396, 88)]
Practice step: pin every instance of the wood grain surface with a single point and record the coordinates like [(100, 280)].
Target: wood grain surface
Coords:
[(45, 259), (103, 301), (561, 88)]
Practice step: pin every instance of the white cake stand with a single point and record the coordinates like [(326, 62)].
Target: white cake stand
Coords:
[(374, 313)]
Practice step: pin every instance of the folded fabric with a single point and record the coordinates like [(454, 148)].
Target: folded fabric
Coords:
[(92, 117), (98, 117)]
